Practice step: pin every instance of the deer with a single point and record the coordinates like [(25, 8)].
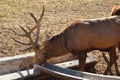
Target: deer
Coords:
[(79, 38)]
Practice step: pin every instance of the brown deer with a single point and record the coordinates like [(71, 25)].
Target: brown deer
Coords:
[(80, 37)]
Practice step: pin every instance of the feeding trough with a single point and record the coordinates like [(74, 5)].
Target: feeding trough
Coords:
[(20, 66), (69, 74), (58, 70)]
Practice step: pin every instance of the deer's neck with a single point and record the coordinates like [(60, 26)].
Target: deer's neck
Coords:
[(56, 46)]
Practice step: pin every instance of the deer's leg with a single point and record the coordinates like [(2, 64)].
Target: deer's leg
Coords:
[(113, 58), (107, 62), (116, 65), (82, 58)]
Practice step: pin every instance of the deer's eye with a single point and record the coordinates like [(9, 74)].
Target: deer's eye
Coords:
[(36, 55)]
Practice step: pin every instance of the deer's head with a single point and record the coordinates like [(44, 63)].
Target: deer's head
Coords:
[(40, 57)]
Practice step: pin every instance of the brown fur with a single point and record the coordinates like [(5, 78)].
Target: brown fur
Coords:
[(82, 36)]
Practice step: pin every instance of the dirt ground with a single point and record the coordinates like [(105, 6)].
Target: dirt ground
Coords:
[(57, 14)]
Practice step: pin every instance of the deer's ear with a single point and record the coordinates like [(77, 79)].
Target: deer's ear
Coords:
[(115, 10)]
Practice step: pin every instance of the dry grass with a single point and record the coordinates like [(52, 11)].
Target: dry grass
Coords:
[(57, 14)]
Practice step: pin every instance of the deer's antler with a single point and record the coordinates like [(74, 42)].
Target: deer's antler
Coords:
[(33, 44)]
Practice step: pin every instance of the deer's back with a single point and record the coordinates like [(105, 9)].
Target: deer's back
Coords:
[(99, 33)]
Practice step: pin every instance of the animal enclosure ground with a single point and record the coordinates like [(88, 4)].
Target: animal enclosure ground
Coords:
[(57, 14)]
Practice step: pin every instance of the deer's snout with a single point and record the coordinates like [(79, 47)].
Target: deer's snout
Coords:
[(39, 59)]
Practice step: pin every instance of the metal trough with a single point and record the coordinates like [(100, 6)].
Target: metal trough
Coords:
[(59, 70), (13, 64), (69, 74)]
